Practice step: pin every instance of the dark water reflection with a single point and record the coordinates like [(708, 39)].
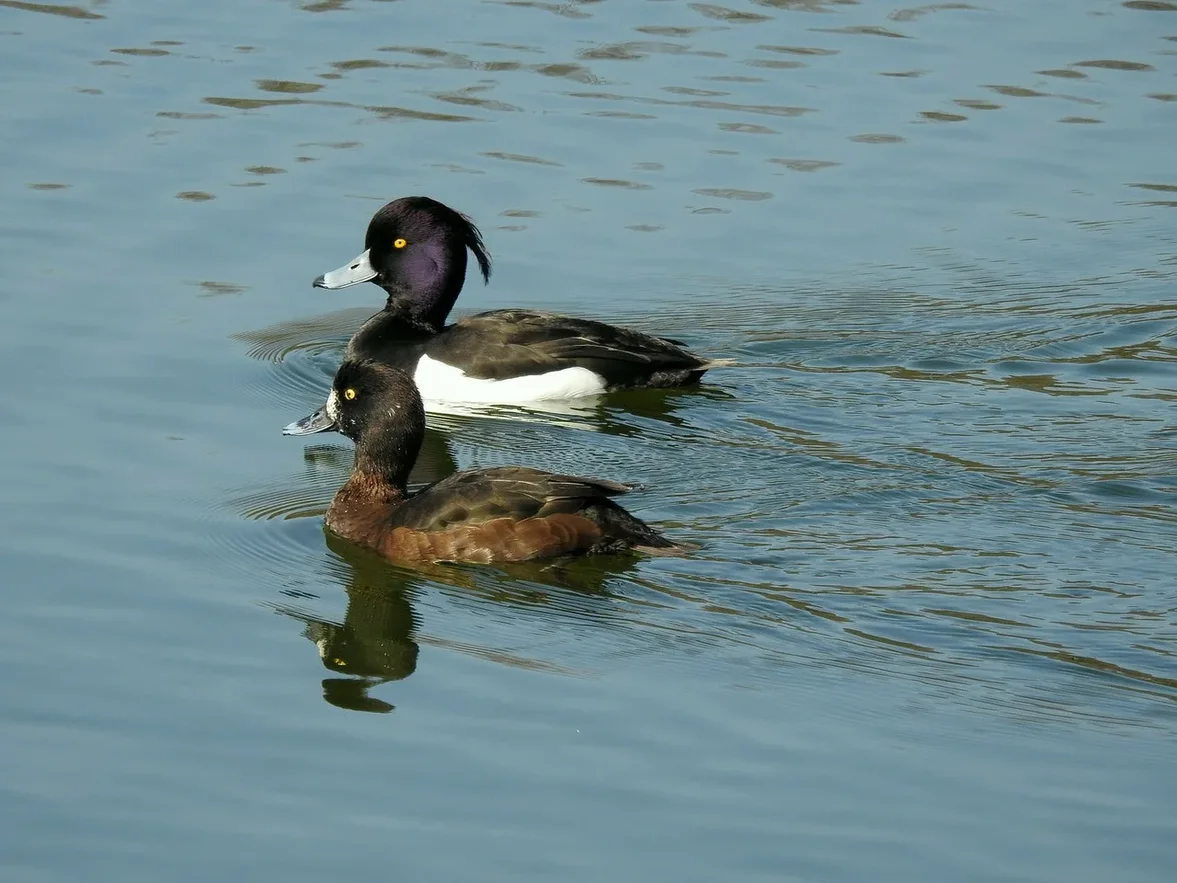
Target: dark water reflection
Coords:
[(376, 642), (930, 630)]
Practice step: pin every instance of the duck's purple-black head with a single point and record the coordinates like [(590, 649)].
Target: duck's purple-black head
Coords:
[(415, 249)]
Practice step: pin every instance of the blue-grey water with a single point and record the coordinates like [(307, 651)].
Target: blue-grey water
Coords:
[(931, 633)]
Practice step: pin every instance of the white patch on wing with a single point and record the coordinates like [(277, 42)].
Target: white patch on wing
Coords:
[(438, 381)]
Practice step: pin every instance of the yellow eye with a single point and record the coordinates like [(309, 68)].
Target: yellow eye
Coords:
[(349, 393), (341, 663), (400, 243)]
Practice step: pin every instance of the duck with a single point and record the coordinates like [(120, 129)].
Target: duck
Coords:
[(416, 249), (484, 515)]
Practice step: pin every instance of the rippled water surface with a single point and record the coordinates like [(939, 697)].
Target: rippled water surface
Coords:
[(931, 633)]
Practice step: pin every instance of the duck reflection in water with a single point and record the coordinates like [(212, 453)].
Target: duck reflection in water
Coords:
[(377, 641), (374, 644)]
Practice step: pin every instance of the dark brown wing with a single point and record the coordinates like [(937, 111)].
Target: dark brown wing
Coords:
[(508, 343), (516, 493), (512, 513)]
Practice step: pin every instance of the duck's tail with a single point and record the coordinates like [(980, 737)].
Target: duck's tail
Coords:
[(622, 529)]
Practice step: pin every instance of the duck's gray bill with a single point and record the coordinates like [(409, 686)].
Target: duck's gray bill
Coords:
[(351, 273), (312, 423)]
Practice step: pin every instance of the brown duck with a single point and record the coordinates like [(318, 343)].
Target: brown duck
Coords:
[(504, 513)]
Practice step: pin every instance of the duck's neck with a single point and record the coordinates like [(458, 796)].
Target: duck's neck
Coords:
[(391, 333), (362, 506), (426, 309), (360, 510)]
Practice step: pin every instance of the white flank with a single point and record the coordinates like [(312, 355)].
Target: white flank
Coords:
[(440, 382)]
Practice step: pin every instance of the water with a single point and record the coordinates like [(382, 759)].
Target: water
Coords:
[(931, 631)]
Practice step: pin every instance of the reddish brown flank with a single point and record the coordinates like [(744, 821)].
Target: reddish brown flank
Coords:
[(360, 513), (503, 539)]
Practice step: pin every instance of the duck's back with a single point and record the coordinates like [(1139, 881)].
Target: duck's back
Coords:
[(500, 344), (514, 513), (513, 356)]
